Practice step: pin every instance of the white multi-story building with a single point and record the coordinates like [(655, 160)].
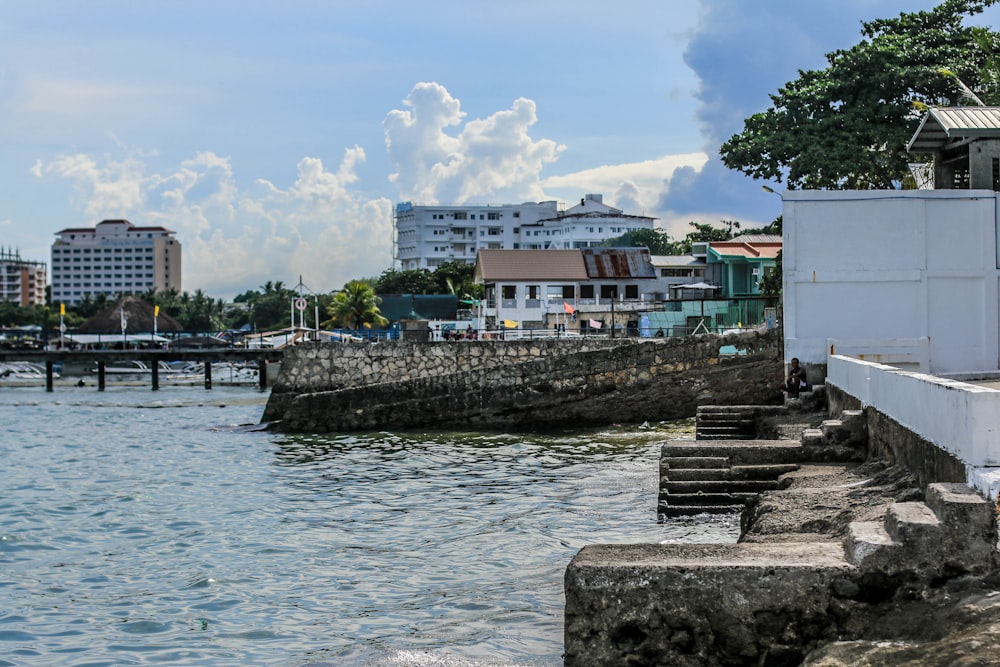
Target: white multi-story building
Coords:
[(114, 258), (21, 281), (428, 236)]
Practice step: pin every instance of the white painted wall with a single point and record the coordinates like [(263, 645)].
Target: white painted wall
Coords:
[(890, 267), (962, 419)]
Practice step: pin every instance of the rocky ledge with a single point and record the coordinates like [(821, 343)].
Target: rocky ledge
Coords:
[(847, 564)]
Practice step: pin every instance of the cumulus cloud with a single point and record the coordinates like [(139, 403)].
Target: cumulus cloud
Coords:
[(487, 159), (237, 238)]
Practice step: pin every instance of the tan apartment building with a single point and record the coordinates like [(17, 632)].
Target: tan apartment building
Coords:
[(113, 258), (21, 281)]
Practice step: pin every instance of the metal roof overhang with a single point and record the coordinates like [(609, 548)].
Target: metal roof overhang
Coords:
[(953, 125)]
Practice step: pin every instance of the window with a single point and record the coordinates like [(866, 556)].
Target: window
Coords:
[(461, 215), (517, 214), (533, 291), (609, 291), (586, 291), (559, 292), (631, 291), (508, 291), (495, 231), (492, 215)]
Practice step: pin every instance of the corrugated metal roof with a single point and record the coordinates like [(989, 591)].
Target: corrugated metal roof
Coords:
[(950, 124), (618, 263), (521, 265)]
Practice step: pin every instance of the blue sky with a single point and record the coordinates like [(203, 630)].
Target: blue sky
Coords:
[(275, 138)]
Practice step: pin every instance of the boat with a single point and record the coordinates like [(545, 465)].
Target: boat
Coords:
[(225, 373), (22, 374)]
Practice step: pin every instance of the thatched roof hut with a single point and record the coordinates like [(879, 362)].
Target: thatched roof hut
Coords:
[(139, 318)]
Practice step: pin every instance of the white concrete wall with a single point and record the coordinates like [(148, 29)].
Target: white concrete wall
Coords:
[(960, 418), (890, 267)]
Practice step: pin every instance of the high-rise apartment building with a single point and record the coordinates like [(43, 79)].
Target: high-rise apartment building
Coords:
[(114, 258), (21, 281), (427, 236)]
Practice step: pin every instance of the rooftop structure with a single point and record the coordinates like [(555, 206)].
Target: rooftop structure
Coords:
[(949, 135)]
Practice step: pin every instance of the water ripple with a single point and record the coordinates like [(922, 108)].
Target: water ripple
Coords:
[(138, 532)]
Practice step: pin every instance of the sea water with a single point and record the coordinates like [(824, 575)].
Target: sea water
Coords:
[(161, 528)]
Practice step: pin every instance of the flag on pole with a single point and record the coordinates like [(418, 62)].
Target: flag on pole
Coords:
[(62, 308), (156, 311), (594, 324), (568, 308)]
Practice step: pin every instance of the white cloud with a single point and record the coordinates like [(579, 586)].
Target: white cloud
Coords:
[(634, 187), (490, 159), (235, 239)]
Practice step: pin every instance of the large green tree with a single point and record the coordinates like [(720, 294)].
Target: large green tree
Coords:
[(412, 281), (847, 126)]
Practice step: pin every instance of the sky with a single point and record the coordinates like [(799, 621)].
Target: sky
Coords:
[(276, 138)]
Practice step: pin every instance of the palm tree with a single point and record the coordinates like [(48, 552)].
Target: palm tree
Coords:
[(356, 305)]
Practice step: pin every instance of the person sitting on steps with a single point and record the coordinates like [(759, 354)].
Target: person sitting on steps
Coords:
[(796, 381)]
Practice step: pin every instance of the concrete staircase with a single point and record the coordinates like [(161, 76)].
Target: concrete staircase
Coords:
[(720, 477), (952, 532), (722, 422), (727, 464)]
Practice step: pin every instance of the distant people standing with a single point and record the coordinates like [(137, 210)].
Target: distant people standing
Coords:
[(796, 381)]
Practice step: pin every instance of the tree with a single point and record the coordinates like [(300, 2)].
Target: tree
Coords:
[(269, 309), (657, 241), (355, 306), (454, 278), (847, 126), (412, 281)]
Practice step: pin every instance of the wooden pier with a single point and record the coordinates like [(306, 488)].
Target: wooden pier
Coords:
[(151, 357)]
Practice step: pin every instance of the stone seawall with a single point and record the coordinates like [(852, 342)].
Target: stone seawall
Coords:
[(516, 385)]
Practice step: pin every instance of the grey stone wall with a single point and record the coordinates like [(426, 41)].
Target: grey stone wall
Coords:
[(518, 385)]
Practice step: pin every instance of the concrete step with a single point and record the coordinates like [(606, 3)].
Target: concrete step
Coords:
[(723, 435), (688, 462), (769, 472), (696, 474), (729, 409), (739, 452), (691, 510), (726, 420), (762, 471), (735, 498), (866, 539), (812, 436), (912, 523), (688, 487), (968, 525)]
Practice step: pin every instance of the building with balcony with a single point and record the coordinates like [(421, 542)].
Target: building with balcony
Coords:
[(114, 258), (427, 236), (21, 281)]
